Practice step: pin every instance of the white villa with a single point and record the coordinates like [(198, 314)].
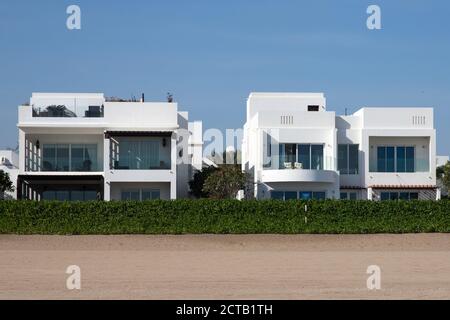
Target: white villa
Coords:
[(295, 149), (81, 146)]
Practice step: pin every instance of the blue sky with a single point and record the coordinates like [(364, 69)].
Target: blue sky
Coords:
[(211, 54)]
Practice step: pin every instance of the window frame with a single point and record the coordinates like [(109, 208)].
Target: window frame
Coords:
[(140, 191), (347, 170), (60, 146), (397, 161), (397, 195)]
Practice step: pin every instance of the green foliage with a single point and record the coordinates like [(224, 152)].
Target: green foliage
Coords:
[(5, 182), (225, 182), (197, 183), (443, 173), (223, 217)]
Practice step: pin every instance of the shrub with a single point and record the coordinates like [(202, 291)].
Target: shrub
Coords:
[(223, 216)]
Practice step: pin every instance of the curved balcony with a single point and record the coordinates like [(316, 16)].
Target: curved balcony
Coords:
[(299, 175)]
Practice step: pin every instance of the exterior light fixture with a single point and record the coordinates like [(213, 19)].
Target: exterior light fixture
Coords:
[(164, 142)]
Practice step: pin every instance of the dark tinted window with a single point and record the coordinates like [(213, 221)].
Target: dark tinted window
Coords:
[(313, 108)]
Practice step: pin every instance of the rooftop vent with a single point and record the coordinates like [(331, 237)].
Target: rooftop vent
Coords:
[(287, 120), (418, 120)]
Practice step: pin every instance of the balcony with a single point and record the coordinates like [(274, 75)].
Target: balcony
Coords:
[(299, 175), (63, 158), (151, 152), (298, 156), (300, 167)]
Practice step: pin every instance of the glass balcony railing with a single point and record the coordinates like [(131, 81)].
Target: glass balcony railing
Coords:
[(135, 154), (393, 166), (63, 111), (141, 164), (290, 163), (70, 158)]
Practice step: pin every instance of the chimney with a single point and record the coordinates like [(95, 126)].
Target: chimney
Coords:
[(142, 98)]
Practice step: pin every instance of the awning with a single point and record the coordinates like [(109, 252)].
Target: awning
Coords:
[(164, 133), (352, 187)]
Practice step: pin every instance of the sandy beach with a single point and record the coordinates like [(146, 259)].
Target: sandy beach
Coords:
[(413, 266)]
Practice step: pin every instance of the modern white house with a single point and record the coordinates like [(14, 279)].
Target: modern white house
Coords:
[(9, 163), (294, 148), (81, 146)]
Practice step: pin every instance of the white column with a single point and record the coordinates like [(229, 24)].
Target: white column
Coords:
[(106, 170), (438, 194), (21, 151), (106, 190), (173, 159), (369, 193)]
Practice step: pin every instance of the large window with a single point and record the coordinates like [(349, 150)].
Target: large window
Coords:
[(140, 155), (69, 195), (395, 159), (348, 155), (140, 194), (294, 195), (301, 156), (69, 157), (348, 196), (399, 196)]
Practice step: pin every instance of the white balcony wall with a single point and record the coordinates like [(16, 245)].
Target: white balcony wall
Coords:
[(396, 118), (150, 115), (295, 119), (268, 101)]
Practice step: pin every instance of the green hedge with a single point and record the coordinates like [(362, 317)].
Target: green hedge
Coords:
[(223, 216)]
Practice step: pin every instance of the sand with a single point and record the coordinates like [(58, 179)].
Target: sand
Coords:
[(413, 266)]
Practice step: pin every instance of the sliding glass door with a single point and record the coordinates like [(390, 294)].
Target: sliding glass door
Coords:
[(69, 157), (396, 159), (310, 156), (348, 162), (301, 156), (138, 155)]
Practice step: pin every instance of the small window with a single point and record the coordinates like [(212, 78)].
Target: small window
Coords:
[(277, 195), (414, 196), (290, 195), (394, 196), (313, 108), (404, 196), (305, 195), (319, 195), (344, 196), (384, 196)]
